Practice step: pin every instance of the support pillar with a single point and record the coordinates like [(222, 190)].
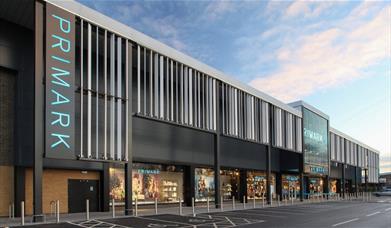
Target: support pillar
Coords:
[(242, 185), (217, 150), (189, 184), (279, 184), (39, 117), (105, 188), (129, 164), (268, 156), (19, 188), (301, 187), (343, 182), (128, 189)]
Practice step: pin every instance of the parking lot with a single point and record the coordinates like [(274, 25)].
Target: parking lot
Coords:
[(354, 213)]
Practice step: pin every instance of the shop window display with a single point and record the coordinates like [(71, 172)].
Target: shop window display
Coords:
[(257, 185), (229, 184), (316, 185), (117, 184), (290, 185), (163, 182), (204, 184), (333, 186)]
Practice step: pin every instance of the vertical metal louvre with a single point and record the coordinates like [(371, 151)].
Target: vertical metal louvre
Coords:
[(103, 88)]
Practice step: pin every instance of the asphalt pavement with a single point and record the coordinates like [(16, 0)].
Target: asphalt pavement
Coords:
[(356, 213)]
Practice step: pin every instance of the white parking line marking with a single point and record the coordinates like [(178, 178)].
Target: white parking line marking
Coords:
[(230, 221), (377, 212), (388, 209), (341, 223)]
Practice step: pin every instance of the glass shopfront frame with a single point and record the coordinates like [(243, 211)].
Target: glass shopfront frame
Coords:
[(257, 185), (149, 182), (315, 185), (229, 184), (315, 138), (290, 185), (204, 184)]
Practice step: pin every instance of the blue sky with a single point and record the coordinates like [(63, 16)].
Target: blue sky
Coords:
[(334, 55)]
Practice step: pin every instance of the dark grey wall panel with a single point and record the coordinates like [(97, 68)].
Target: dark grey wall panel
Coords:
[(241, 154), (15, 40), (157, 141), (275, 160), (289, 161), (336, 170)]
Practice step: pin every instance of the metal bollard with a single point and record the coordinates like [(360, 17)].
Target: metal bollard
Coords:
[(192, 205), (278, 200), (244, 202), (207, 204), (180, 206), (87, 209), (9, 211), (263, 201), (155, 206), (13, 209), (58, 211), (233, 202), (22, 212), (254, 202), (292, 200), (113, 207), (271, 200), (222, 204), (136, 207)]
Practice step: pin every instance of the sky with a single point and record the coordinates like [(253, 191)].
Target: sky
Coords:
[(334, 55)]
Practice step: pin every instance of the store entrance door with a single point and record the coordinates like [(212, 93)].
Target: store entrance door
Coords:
[(81, 190)]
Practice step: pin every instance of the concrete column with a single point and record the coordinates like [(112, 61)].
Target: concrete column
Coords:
[(217, 149), (39, 117)]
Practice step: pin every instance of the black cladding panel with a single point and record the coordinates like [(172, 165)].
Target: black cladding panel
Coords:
[(237, 153), (336, 170), (159, 141), (289, 161)]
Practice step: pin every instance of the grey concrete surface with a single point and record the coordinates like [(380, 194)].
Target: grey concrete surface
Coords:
[(375, 212)]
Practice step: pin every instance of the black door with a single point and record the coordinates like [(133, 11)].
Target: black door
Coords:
[(81, 190)]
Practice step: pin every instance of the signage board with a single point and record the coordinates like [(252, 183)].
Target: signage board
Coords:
[(59, 83)]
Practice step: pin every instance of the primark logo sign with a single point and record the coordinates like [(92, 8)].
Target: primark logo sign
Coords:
[(60, 80)]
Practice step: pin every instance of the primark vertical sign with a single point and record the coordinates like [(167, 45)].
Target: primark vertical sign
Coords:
[(60, 80)]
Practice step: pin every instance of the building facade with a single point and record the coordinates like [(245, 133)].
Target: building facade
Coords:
[(91, 108)]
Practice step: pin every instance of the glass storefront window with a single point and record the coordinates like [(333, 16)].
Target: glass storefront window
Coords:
[(117, 184), (229, 184), (333, 186), (149, 181), (157, 181), (256, 185), (315, 185), (290, 185), (204, 184), (316, 156)]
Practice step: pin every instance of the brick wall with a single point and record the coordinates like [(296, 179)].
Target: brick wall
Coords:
[(7, 116), (55, 187), (6, 188)]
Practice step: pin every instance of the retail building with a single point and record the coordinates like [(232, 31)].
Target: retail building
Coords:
[(91, 108)]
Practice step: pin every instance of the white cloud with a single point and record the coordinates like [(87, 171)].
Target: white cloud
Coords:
[(217, 9), (307, 8), (166, 30), (329, 57)]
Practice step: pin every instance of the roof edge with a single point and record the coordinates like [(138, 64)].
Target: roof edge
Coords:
[(337, 132), (126, 31), (309, 107)]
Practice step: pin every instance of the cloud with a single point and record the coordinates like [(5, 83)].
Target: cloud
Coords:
[(329, 57), (217, 9), (307, 8)]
